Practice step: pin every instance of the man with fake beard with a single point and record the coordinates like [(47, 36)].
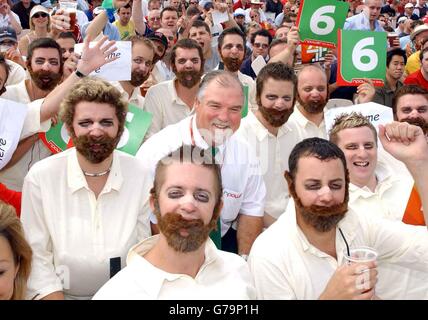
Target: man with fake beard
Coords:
[(45, 66), (79, 214), (181, 262), (268, 131), (172, 101), (217, 115), (231, 46), (312, 237), (411, 105), (143, 53)]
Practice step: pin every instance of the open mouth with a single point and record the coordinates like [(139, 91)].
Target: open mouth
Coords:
[(221, 127), (361, 164)]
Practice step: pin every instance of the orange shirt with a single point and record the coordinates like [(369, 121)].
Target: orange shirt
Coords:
[(414, 214)]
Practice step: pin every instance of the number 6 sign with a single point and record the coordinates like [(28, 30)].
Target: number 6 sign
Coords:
[(319, 20), (361, 55)]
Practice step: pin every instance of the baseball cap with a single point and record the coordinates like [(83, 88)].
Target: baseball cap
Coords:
[(418, 30), (157, 36), (409, 5), (239, 12), (37, 9), (8, 34)]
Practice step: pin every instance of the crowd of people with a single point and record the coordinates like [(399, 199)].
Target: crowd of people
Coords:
[(237, 190)]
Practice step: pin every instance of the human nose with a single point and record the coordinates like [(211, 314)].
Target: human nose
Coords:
[(187, 204), (96, 130), (325, 195)]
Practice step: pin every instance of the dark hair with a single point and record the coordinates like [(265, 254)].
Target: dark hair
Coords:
[(276, 71), (168, 9), (416, 23), (262, 33), (186, 44), (127, 6), (200, 24), (421, 55), (395, 52), (314, 147), (407, 89), (45, 43), (192, 11), (6, 69), (228, 31), (67, 35)]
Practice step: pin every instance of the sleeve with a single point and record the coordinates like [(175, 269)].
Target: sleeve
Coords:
[(255, 190), (410, 80), (115, 33), (32, 123), (43, 279), (153, 105), (399, 243)]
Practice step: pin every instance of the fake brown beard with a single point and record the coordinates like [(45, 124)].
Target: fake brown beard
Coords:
[(232, 64), (172, 223), (275, 117), (85, 146), (138, 78), (420, 122), (37, 76), (312, 107), (182, 78)]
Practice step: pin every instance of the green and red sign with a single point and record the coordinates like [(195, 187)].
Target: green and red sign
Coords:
[(361, 55), (319, 20)]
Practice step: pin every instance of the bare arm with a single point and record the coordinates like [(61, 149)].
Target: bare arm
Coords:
[(287, 55), (97, 25), (408, 144), (249, 227), (138, 18), (91, 59), (57, 295), (22, 148)]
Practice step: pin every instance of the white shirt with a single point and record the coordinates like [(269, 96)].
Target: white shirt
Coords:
[(273, 153), (161, 72), (243, 187), (223, 275), (136, 98), (286, 266), (72, 231), (17, 73), (5, 20), (306, 128), (165, 105), (389, 200), (13, 177)]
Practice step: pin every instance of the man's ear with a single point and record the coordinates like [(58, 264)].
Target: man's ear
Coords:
[(288, 178), (152, 200)]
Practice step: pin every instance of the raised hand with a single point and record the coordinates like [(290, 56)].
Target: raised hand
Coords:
[(366, 91), (94, 57)]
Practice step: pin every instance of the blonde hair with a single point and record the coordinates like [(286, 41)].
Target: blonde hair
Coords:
[(349, 121), (11, 229), (32, 27)]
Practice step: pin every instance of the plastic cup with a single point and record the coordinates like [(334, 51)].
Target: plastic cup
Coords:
[(361, 255), (71, 9), (391, 38)]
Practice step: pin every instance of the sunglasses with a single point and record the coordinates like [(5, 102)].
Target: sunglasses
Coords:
[(40, 14), (263, 45)]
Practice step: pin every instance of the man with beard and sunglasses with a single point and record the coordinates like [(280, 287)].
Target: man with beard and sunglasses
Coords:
[(317, 229), (181, 262), (231, 46), (82, 214), (143, 52), (172, 101), (45, 66), (410, 105), (267, 129), (217, 116)]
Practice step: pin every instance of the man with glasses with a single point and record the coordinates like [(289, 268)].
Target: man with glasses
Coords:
[(172, 101), (143, 53), (154, 20), (260, 41)]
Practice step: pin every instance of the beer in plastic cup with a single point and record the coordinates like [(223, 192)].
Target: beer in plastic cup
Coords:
[(391, 37), (71, 9)]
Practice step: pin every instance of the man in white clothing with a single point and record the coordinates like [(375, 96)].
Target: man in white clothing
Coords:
[(181, 262), (317, 229), (79, 215), (217, 116)]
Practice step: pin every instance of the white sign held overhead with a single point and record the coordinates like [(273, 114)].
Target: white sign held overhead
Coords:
[(374, 112), (117, 70)]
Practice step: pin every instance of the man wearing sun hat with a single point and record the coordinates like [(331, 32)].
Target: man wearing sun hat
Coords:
[(419, 36), (255, 4)]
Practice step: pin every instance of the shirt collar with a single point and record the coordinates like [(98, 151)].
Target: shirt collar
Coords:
[(76, 178), (261, 131), (153, 279), (302, 120)]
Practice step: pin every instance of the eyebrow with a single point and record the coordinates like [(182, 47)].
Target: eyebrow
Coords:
[(181, 187), (318, 180)]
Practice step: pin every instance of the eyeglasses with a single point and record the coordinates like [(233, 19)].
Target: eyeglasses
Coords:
[(262, 45), (155, 19), (40, 14)]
